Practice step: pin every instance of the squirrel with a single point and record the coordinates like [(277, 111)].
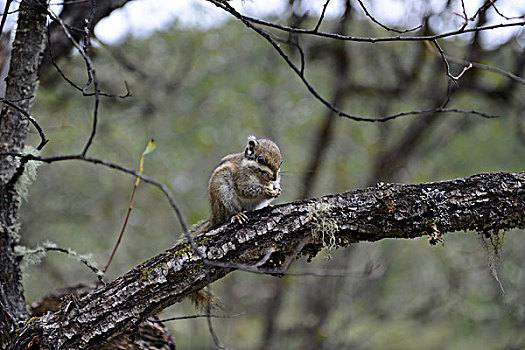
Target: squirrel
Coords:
[(241, 182)]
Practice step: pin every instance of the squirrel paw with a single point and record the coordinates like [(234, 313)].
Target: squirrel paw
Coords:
[(271, 191), (240, 218)]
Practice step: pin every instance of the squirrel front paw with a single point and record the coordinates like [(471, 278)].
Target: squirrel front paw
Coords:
[(271, 191), (240, 218)]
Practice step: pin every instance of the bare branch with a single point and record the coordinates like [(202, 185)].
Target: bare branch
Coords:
[(43, 139), (92, 77), (108, 164), (492, 3), (384, 26), (487, 67), (444, 57), (4, 15), (68, 252), (317, 95), (335, 36), (197, 316), (70, 82), (322, 16)]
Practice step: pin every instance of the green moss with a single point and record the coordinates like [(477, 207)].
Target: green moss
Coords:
[(323, 227), (5, 336)]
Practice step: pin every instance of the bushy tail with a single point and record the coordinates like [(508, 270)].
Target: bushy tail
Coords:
[(200, 227), (205, 300)]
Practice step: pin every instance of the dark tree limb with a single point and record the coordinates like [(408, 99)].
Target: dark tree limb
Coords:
[(484, 203)]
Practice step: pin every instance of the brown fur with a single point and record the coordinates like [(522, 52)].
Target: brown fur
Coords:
[(241, 182)]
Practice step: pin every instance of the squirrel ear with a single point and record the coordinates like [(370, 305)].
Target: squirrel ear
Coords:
[(251, 147)]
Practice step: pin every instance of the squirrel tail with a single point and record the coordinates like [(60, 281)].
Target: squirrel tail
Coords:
[(204, 300), (200, 227)]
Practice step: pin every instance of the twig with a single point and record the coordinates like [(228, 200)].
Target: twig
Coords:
[(322, 16), (4, 15), (297, 46), (43, 139), (111, 165), (79, 257), (92, 78), (464, 16), (70, 82), (335, 36), (149, 148), (89, 24), (197, 316), (444, 57), (384, 26), (316, 94), (69, 2), (502, 15), (73, 255), (489, 68)]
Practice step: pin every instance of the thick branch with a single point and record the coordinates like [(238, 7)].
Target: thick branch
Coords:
[(273, 237)]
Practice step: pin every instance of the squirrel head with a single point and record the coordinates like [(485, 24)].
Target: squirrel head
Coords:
[(265, 152)]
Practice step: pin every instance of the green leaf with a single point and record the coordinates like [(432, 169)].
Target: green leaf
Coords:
[(149, 148)]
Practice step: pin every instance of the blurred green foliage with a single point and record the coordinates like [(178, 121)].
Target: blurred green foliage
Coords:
[(199, 94)]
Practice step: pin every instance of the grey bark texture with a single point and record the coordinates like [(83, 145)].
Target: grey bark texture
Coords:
[(20, 88), (272, 239)]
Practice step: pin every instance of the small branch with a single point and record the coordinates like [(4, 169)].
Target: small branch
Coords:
[(384, 26), (89, 24), (322, 16), (80, 258), (197, 316), (297, 46), (487, 67), (92, 78), (43, 139), (4, 15), (51, 248), (70, 82), (149, 148), (300, 73), (449, 74), (111, 165), (232, 11), (464, 16), (492, 3)]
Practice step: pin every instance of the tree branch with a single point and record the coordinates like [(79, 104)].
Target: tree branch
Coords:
[(75, 15), (484, 203)]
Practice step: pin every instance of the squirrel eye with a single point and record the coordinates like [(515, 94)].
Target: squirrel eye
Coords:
[(260, 159)]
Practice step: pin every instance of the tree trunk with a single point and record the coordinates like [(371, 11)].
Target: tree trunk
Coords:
[(273, 238), (21, 84)]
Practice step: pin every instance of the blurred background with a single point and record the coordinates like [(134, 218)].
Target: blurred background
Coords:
[(201, 82)]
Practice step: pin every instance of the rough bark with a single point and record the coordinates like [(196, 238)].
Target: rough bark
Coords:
[(21, 84), (272, 238)]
